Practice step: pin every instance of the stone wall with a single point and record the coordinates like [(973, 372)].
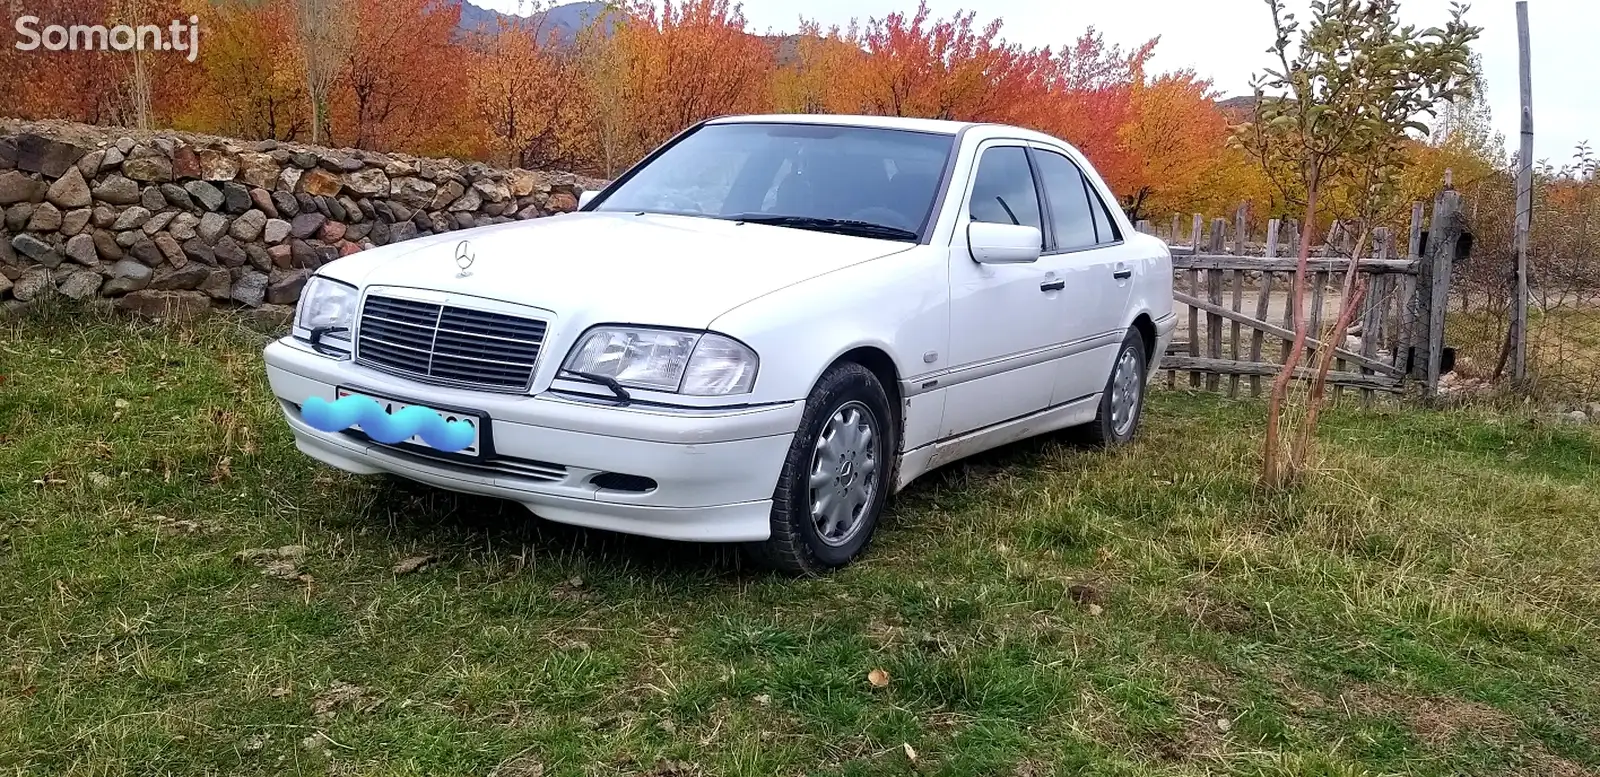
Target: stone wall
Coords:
[(171, 225)]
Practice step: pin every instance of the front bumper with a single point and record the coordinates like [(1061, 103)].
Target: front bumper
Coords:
[(715, 471)]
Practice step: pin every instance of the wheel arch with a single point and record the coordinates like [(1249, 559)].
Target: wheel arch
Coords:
[(1146, 327), (881, 365)]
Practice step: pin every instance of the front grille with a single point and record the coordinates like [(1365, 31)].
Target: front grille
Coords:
[(448, 344)]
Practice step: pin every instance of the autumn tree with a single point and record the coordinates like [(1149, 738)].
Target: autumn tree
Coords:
[(402, 87), (1173, 139), (685, 62), (604, 82), (1336, 112), (1090, 99), (251, 84), (523, 94), (826, 74), (325, 30), (107, 87)]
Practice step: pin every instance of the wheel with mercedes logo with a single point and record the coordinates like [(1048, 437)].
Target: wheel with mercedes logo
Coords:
[(836, 478)]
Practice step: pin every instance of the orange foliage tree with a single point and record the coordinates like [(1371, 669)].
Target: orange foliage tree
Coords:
[(106, 87), (250, 82), (410, 79), (522, 95), (685, 62), (822, 73), (1171, 143), (401, 88)]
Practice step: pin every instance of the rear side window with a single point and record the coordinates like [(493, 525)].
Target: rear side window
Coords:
[(1103, 225), (1070, 212), (1003, 192)]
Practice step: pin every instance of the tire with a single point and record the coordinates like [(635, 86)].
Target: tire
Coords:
[(852, 476), (1114, 425)]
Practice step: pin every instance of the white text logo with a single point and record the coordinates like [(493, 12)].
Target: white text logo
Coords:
[(179, 36)]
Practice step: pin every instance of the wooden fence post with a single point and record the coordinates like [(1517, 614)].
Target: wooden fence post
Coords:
[(1408, 326), (1241, 243), (1373, 307), (1519, 308), (1289, 320), (1219, 228), (1433, 288), (1263, 304), (1194, 315)]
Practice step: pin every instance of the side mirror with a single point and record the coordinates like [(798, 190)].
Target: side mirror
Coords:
[(1003, 243), (587, 197)]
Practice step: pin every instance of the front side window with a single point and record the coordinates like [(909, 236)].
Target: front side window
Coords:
[(860, 180), (1003, 192)]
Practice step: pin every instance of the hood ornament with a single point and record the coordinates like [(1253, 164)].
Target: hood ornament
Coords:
[(464, 258)]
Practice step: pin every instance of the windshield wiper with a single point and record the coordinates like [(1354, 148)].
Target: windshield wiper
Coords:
[(837, 226), (601, 380)]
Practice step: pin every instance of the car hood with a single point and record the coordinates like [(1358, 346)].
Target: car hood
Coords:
[(589, 268)]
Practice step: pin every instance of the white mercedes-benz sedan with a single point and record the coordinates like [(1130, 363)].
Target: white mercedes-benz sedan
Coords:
[(755, 335)]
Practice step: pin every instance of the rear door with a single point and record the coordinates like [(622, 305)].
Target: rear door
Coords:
[(1086, 248)]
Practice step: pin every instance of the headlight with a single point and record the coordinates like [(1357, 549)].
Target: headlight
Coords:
[(693, 363), (326, 312)]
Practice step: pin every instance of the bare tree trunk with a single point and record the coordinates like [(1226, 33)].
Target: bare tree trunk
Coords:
[(141, 92), (1272, 474), (1355, 289)]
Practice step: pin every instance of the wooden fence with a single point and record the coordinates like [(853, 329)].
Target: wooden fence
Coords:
[(1236, 323)]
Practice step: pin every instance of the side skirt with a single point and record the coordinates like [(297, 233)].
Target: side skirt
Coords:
[(920, 461)]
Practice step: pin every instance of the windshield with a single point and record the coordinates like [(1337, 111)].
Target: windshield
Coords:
[(858, 180)]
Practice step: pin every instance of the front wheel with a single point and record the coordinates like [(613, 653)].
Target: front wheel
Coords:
[(835, 480), (1122, 403)]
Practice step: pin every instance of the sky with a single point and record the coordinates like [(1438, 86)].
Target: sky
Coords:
[(1226, 41)]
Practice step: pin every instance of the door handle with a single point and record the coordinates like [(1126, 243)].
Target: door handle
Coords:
[(1052, 286), (1122, 275)]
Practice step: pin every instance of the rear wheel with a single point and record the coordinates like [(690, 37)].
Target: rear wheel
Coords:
[(1122, 403), (835, 480)]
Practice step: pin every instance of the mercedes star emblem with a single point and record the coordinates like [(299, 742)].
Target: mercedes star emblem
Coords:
[(464, 259)]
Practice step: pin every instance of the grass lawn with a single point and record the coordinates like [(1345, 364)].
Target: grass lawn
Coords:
[(181, 592)]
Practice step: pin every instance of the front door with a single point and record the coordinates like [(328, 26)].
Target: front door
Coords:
[(1003, 337)]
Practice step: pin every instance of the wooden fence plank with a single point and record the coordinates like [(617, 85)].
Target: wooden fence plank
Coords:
[(1194, 325), (1241, 245), (1352, 379), (1372, 308), (1281, 332), (1443, 234), (1262, 264), (1289, 312), (1319, 284), (1194, 288), (1236, 280), (1214, 296), (1406, 301), (1263, 305), (1330, 250)]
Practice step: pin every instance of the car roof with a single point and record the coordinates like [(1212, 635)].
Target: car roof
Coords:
[(935, 126)]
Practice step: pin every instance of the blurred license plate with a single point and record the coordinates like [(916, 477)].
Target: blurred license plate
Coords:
[(391, 407)]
